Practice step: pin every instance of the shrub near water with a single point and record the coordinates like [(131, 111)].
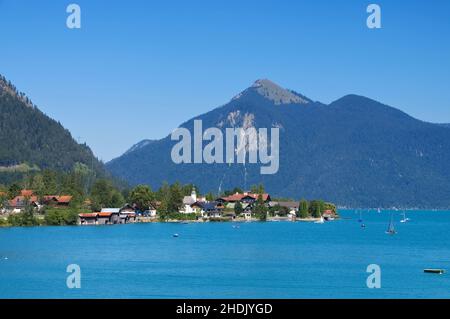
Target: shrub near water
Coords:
[(26, 218), (3, 222), (61, 217), (178, 216)]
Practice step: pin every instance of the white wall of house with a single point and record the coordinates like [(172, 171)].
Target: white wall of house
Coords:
[(188, 209)]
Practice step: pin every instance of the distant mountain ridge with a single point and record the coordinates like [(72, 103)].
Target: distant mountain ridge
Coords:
[(30, 140), (354, 152), (139, 145)]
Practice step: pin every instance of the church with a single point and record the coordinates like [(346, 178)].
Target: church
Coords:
[(188, 202)]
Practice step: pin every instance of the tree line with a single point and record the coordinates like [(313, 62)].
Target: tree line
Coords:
[(91, 195)]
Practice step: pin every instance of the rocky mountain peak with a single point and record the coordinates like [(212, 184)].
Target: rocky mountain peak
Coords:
[(275, 93)]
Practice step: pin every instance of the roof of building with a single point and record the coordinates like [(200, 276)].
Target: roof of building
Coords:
[(289, 204), (103, 214), (188, 200), (198, 204), (22, 200), (64, 199), (233, 198), (26, 192), (208, 206), (88, 215), (110, 210), (265, 196), (238, 197)]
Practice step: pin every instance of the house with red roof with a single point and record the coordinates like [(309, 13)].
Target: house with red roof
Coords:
[(18, 203), (244, 198), (108, 216), (57, 201), (88, 219)]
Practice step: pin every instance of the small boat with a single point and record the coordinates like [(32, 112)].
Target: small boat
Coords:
[(176, 235), (405, 219), (320, 221), (360, 220), (363, 225), (379, 211), (434, 271), (391, 229)]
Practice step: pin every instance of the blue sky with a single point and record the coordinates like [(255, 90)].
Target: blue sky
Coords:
[(138, 69)]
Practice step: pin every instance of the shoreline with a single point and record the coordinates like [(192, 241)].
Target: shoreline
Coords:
[(227, 220), (147, 220)]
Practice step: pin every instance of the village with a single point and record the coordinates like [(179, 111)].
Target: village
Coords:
[(244, 206)]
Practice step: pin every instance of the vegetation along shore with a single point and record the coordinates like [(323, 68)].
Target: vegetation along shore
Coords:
[(55, 198)]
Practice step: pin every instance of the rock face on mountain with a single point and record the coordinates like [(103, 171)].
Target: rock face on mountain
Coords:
[(30, 140), (354, 152)]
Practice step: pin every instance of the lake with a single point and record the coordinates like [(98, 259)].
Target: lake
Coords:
[(217, 260)]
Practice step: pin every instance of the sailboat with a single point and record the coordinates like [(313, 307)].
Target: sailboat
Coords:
[(360, 220), (405, 219), (320, 221), (391, 229), (379, 210), (360, 217)]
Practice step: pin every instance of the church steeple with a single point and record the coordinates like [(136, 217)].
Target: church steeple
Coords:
[(194, 194)]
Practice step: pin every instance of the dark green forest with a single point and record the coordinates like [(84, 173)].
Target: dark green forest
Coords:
[(32, 141)]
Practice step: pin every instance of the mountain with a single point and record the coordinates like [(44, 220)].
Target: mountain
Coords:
[(139, 145), (354, 152), (30, 140)]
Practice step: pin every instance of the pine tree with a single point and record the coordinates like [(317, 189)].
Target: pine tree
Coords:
[(142, 196), (260, 209), (303, 209), (238, 209)]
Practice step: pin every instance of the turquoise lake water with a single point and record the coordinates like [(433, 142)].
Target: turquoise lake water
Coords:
[(216, 260)]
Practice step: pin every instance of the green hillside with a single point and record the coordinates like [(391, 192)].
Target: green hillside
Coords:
[(32, 141)]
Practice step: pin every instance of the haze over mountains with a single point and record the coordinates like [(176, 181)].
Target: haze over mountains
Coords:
[(354, 151)]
